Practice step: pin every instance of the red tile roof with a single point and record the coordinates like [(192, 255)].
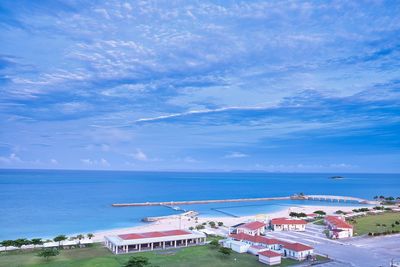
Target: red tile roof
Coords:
[(269, 253), (287, 221), (338, 222), (255, 239), (253, 225), (297, 247), (270, 241), (153, 234)]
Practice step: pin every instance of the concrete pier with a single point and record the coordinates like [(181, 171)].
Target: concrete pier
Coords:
[(295, 197)]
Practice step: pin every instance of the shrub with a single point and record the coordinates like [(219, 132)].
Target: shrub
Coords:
[(200, 226), (214, 243), (47, 253), (225, 251), (137, 261)]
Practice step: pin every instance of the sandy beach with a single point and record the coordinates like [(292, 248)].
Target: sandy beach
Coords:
[(184, 222)]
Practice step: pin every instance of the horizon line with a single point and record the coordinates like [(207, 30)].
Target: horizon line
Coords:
[(194, 170)]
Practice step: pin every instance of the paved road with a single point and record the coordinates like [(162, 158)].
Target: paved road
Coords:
[(356, 252)]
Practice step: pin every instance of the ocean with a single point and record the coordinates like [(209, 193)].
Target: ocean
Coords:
[(45, 203)]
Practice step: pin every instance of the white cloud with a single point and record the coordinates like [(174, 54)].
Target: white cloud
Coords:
[(139, 155), (12, 158), (54, 161), (236, 155), (94, 162)]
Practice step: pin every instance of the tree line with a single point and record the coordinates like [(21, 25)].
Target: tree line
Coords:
[(18, 243)]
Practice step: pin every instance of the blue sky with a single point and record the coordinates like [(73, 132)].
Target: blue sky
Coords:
[(291, 86)]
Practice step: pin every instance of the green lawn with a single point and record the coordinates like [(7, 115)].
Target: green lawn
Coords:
[(97, 256), (368, 223)]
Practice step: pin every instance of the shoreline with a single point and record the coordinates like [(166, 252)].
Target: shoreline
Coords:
[(174, 222), (169, 222)]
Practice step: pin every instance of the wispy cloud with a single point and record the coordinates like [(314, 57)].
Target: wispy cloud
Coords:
[(197, 112), (234, 155), (198, 79)]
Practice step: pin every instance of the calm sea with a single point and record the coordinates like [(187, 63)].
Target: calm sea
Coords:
[(41, 203)]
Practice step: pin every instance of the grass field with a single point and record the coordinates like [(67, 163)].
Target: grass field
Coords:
[(368, 223), (97, 256)]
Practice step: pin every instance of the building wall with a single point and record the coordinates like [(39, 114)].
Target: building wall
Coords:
[(251, 232), (346, 233), (289, 227), (239, 248), (302, 255), (269, 261)]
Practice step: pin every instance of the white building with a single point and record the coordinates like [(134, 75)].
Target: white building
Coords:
[(251, 228), (297, 251), (269, 243), (237, 246), (256, 249), (338, 227), (269, 257), (137, 242), (285, 224)]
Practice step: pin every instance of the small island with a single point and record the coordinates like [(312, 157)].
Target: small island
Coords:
[(336, 177)]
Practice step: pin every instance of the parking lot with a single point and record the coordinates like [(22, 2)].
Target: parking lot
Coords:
[(359, 251)]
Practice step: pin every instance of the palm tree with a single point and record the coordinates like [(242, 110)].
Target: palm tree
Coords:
[(36, 241), (90, 235), (60, 238), (80, 237), (21, 242), (7, 243)]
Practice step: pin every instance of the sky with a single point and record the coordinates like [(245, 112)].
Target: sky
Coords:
[(277, 86)]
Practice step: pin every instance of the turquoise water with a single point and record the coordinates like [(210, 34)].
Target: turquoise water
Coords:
[(40, 203)]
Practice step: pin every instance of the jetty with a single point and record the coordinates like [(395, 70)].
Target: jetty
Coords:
[(337, 198), (190, 213), (294, 197)]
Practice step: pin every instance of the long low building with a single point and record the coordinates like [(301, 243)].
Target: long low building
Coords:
[(285, 224), (295, 251), (136, 242)]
